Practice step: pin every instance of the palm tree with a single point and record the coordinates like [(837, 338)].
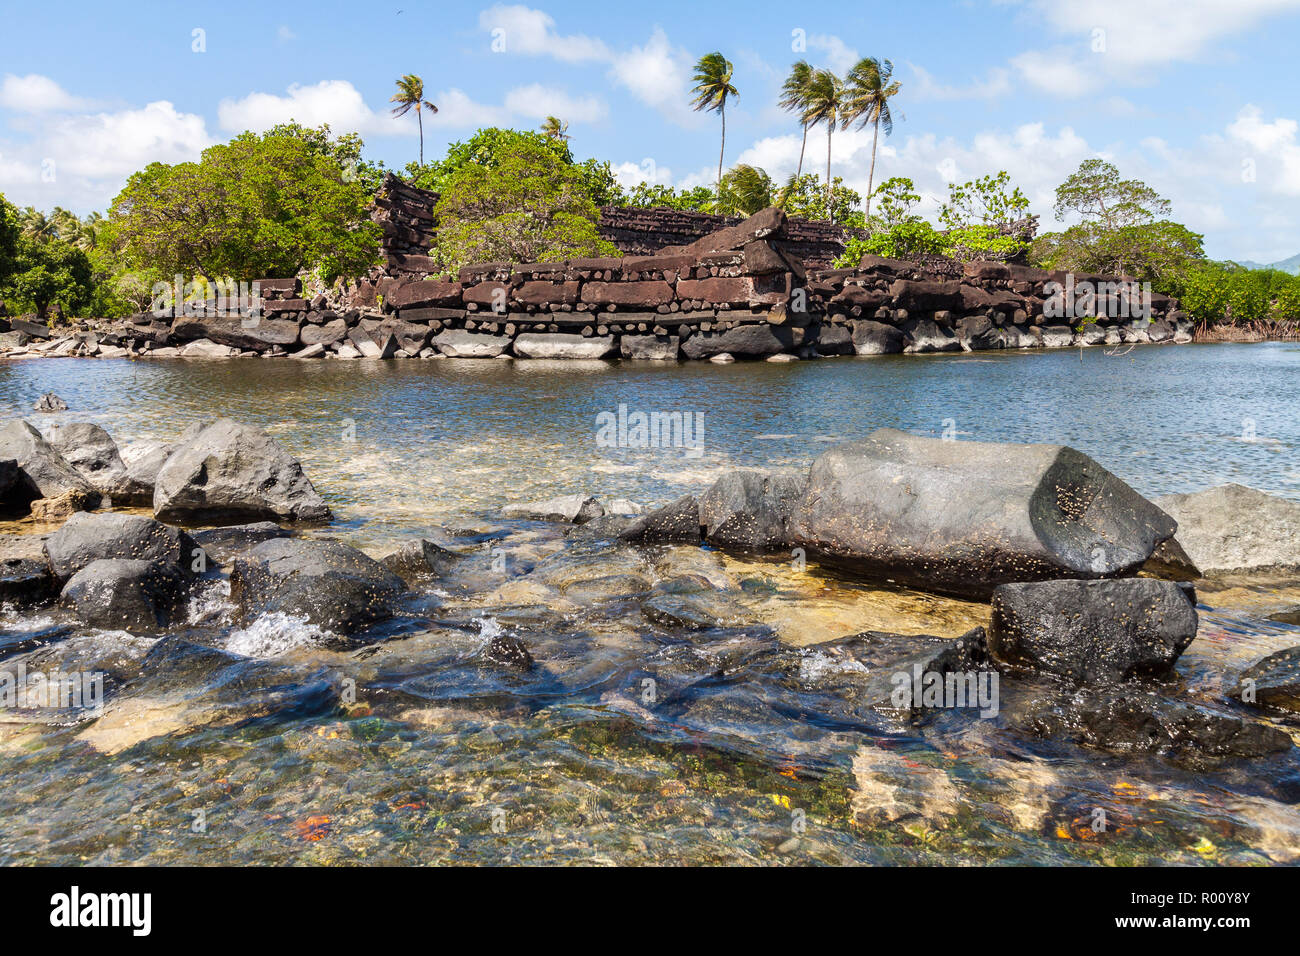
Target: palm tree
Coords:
[(825, 105), (712, 87), (745, 190), (37, 225), (794, 99), (869, 93), (554, 129), (410, 93)]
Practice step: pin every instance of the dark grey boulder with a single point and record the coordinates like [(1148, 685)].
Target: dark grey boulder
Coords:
[(649, 348), (125, 593), (44, 472), (422, 558), (876, 338), (25, 576), (92, 451), (678, 521), (750, 510), (49, 402), (86, 537), (745, 341), (1273, 682), (331, 585), (926, 335), (143, 460), (233, 473), (574, 509), (1135, 721), (689, 602), (1093, 631), (963, 517)]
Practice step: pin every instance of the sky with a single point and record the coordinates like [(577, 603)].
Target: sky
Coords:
[(1198, 98)]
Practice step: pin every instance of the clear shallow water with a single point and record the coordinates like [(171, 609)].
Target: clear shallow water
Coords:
[(568, 763)]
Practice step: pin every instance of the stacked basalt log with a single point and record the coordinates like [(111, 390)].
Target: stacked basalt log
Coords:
[(408, 227)]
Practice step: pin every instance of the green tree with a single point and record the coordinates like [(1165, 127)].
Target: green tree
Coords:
[(489, 146), (48, 272), (646, 196), (345, 149), (869, 89), (825, 104), (1111, 210), (256, 207), (794, 99), (410, 95), (989, 200), (805, 197), (712, 87), (10, 230), (527, 206)]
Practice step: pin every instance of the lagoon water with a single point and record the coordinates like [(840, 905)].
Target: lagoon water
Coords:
[(441, 759)]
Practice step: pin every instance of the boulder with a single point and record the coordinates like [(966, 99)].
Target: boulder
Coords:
[(25, 576), (44, 472), (457, 343), (1273, 682), (230, 473), (329, 333), (1094, 632), (49, 402), (562, 345), (751, 341), (331, 585), (237, 332), (421, 559), (927, 335), (651, 348), (206, 348), (679, 521), (87, 537), (90, 450), (225, 543), (130, 594), (925, 296), (143, 460), (876, 338), (1235, 528), (1057, 336), (749, 510), (574, 509), (964, 517), (689, 602)]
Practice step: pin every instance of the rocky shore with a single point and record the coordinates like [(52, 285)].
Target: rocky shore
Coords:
[(741, 292), (1085, 584)]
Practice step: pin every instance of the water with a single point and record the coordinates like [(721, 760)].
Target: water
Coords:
[(445, 757)]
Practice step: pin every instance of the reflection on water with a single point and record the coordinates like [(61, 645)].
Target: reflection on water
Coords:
[(743, 747)]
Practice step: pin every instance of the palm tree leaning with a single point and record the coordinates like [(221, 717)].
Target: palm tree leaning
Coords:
[(794, 99), (712, 87), (554, 129), (825, 104), (410, 93), (867, 101)]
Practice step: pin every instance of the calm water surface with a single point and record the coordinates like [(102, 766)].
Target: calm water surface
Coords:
[(444, 759)]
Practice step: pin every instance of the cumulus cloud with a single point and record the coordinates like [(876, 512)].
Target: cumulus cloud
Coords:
[(1056, 71), (538, 101), (519, 29), (34, 93), (336, 102), (837, 54), (996, 82), (658, 74)]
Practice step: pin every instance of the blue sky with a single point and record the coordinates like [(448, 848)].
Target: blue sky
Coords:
[(1198, 98)]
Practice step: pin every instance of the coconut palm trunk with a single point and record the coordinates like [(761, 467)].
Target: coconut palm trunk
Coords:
[(830, 131), (723, 150), (802, 146), (871, 176)]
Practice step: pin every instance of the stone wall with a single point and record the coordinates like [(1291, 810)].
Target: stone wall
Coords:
[(736, 292), (405, 215)]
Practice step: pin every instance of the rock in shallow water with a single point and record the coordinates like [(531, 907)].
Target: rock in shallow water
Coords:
[(575, 509), (963, 517), (750, 510), (230, 473), (1235, 528), (1093, 631), (90, 450), (44, 472), (130, 594), (329, 584), (1273, 682), (89, 537)]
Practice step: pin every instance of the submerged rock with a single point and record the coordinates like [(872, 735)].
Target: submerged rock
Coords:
[(575, 509), (44, 473), (230, 473), (123, 593), (90, 537), (49, 402), (226, 542), (1093, 631), (679, 521), (749, 510), (328, 583), (1235, 528), (692, 603), (1273, 682), (423, 558), (964, 517)]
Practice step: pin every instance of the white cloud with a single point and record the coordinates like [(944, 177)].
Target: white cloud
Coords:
[(1156, 31), (659, 75), (1275, 151), (539, 101), (996, 82), (839, 56), (1055, 71), (631, 174), (284, 34), (34, 93), (336, 102), (519, 29)]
